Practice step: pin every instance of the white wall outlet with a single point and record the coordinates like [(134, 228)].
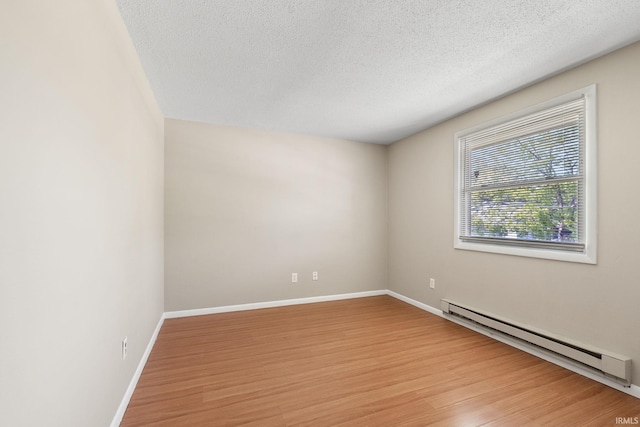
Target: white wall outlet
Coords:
[(294, 277), (124, 348), (432, 283), (315, 275)]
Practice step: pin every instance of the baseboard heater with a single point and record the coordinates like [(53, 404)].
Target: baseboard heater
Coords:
[(611, 365)]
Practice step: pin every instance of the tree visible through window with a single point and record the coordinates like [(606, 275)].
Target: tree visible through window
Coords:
[(518, 187), (523, 181)]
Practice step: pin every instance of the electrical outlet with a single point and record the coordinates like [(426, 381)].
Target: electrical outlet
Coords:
[(124, 348), (432, 283), (294, 277), (315, 275)]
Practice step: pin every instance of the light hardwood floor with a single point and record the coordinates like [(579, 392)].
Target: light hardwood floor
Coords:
[(371, 361)]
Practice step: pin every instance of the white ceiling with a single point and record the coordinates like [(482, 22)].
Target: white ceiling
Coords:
[(364, 70)]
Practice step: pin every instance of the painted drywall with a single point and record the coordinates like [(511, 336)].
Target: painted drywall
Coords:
[(81, 217), (244, 209), (594, 304)]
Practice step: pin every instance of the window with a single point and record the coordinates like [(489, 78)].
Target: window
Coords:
[(525, 184)]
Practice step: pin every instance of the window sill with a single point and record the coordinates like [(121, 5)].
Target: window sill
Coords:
[(588, 257)]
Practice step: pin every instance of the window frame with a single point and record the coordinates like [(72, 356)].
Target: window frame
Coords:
[(589, 254)]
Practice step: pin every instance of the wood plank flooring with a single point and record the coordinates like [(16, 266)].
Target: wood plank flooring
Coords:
[(371, 361)]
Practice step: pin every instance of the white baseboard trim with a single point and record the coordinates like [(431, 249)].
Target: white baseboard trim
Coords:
[(270, 304), (413, 302), (117, 419), (633, 390)]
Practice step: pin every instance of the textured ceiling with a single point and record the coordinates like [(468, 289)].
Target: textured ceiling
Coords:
[(365, 70)]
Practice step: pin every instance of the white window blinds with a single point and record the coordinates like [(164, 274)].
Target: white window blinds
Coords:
[(523, 181)]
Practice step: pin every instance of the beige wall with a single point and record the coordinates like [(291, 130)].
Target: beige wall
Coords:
[(245, 209), (81, 217), (595, 304)]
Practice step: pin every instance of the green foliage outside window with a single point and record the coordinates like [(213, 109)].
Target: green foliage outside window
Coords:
[(527, 188)]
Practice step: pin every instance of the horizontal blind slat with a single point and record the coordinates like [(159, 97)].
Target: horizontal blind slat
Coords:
[(539, 244)]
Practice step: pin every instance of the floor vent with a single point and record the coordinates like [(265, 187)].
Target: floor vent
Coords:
[(612, 365)]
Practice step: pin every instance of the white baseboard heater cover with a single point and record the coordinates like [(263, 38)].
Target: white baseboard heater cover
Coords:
[(613, 365)]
